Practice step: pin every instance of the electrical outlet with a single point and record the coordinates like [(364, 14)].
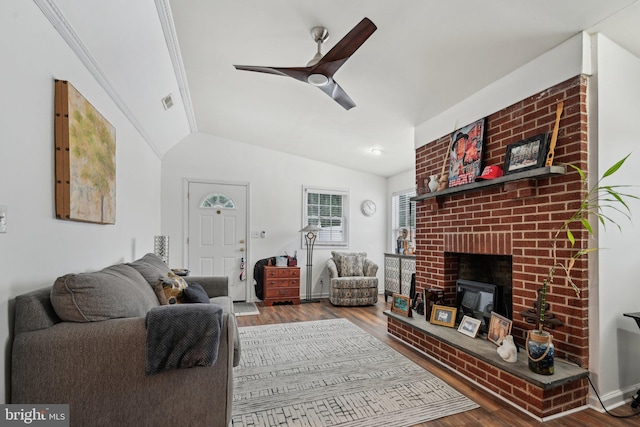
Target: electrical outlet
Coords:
[(3, 219)]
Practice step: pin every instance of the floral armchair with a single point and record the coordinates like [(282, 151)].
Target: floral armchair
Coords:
[(353, 279)]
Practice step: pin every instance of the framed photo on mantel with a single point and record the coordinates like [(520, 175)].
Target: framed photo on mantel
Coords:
[(530, 153)]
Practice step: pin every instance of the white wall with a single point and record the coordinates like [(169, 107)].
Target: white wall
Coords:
[(38, 248), (276, 181), (616, 340), (555, 66)]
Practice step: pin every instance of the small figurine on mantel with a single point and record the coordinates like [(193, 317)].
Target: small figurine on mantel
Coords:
[(508, 350), (433, 183)]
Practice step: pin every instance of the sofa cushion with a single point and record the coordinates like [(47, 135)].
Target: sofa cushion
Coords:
[(114, 292), (151, 267)]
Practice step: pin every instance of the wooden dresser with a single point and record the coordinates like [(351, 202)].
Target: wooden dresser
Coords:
[(281, 284)]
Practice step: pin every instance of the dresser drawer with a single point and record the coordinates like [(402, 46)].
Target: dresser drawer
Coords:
[(280, 283), (282, 292), (289, 272)]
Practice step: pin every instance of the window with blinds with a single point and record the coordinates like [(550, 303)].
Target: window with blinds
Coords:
[(328, 209), (403, 215)]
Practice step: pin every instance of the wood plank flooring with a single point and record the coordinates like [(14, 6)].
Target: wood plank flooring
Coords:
[(492, 411)]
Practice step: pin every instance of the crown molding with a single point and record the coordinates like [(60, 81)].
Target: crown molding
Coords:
[(64, 28), (169, 30)]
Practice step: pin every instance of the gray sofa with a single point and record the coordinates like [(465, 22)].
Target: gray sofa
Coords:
[(95, 359)]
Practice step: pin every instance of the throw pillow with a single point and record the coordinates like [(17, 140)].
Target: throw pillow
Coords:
[(172, 293), (159, 289), (178, 281), (351, 265), (195, 293), (172, 288), (338, 258)]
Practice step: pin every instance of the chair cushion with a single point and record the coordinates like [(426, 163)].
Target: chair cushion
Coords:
[(114, 292)]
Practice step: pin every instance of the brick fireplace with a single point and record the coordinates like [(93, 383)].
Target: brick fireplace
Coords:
[(514, 219)]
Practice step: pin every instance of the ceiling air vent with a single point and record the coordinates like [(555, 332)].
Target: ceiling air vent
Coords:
[(167, 102)]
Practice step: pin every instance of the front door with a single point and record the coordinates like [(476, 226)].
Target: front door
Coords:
[(218, 233)]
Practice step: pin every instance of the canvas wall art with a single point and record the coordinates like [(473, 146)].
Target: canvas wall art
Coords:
[(465, 156), (85, 159)]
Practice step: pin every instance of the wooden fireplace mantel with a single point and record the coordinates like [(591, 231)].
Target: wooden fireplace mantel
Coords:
[(475, 186)]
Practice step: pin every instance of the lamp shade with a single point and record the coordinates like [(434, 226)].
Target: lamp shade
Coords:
[(310, 228)]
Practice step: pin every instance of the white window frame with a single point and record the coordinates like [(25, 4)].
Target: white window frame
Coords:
[(321, 239), (395, 217)]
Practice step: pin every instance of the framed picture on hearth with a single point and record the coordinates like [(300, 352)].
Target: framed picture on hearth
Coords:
[(465, 155), (499, 327), (530, 153), (401, 304), (469, 326), (443, 315)]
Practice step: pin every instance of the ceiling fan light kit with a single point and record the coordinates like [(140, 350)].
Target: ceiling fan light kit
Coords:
[(318, 79), (320, 70)]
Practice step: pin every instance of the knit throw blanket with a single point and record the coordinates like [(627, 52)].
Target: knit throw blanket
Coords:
[(182, 336)]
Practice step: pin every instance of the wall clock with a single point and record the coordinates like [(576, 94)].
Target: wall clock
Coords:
[(368, 207)]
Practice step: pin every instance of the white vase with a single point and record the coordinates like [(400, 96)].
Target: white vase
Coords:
[(433, 184)]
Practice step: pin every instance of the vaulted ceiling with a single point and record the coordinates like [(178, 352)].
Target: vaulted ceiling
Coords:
[(426, 56)]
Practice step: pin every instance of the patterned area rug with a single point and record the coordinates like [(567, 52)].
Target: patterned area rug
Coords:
[(245, 308), (332, 373)]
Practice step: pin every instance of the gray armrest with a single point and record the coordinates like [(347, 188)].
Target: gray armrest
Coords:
[(332, 268), (215, 286)]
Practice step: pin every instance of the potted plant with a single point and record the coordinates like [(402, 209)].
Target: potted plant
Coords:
[(598, 201)]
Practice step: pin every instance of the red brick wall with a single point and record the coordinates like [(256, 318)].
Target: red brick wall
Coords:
[(517, 218), (536, 400)]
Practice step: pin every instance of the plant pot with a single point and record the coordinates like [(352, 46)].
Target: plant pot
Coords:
[(540, 352)]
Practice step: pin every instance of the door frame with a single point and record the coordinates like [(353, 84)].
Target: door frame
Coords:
[(185, 222)]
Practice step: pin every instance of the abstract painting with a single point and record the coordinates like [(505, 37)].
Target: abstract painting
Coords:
[(85, 159)]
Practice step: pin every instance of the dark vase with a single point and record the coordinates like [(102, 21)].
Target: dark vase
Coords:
[(540, 352)]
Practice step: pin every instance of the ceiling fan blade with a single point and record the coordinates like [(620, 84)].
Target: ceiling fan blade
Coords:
[(333, 60), (338, 94), (298, 73)]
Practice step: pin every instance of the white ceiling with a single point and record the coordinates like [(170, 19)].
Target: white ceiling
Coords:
[(426, 56)]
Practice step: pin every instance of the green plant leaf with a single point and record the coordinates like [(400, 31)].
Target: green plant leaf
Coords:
[(615, 167), (580, 171), (586, 225), (570, 237)]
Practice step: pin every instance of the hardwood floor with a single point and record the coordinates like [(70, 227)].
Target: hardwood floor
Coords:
[(492, 411)]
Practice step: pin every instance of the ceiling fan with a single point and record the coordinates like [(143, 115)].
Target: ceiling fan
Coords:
[(320, 70)]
